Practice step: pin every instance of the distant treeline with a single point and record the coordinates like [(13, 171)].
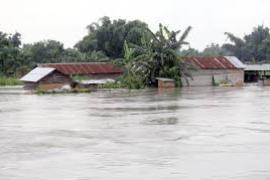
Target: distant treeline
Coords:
[(105, 42)]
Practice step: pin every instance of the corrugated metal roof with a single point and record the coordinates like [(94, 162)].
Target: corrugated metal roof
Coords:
[(257, 67), (84, 68), (213, 62), (235, 61), (37, 74)]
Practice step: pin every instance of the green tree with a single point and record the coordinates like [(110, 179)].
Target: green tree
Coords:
[(108, 37), (254, 46), (189, 52), (43, 52), (159, 56), (50, 51), (72, 55), (9, 53), (214, 50)]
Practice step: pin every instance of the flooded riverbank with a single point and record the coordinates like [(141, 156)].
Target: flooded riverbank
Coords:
[(191, 133)]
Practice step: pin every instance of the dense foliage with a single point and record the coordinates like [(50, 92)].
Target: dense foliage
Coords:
[(212, 50), (49, 51), (157, 57), (9, 53), (253, 47), (107, 37), (130, 43), (104, 42), (16, 60)]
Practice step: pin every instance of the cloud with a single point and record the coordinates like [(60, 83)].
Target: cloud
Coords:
[(65, 20)]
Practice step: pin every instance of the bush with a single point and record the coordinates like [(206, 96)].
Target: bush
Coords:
[(128, 81), (21, 71), (133, 82), (9, 81), (171, 73)]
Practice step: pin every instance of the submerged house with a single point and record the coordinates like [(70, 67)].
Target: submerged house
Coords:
[(57, 75), (209, 71), (89, 70), (45, 78), (255, 73)]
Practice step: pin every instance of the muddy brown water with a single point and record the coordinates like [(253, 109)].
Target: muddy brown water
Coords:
[(191, 134)]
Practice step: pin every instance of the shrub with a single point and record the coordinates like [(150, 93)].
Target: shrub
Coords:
[(9, 81), (127, 81)]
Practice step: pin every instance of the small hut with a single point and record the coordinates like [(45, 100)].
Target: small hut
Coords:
[(258, 73), (165, 83), (210, 71), (45, 78)]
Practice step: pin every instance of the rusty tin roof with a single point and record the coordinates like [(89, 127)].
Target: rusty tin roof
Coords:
[(212, 62), (84, 68)]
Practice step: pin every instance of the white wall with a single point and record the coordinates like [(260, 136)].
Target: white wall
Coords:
[(204, 77)]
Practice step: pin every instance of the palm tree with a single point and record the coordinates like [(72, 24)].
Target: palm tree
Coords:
[(158, 56), (237, 47)]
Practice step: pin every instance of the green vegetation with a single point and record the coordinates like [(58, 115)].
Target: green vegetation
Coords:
[(212, 50), (253, 47), (214, 83), (9, 81), (125, 82), (144, 54), (106, 38), (9, 53), (75, 90), (156, 57)]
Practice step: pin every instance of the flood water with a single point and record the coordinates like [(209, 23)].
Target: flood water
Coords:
[(189, 134)]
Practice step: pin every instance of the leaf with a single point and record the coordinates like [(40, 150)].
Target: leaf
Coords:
[(185, 34)]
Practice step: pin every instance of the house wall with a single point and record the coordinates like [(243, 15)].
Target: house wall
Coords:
[(54, 80), (55, 77), (30, 85), (102, 76), (203, 77), (51, 81), (266, 82)]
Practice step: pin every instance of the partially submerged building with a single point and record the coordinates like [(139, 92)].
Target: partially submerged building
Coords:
[(90, 70), (255, 73), (45, 78), (57, 75), (210, 71), (165, 83)]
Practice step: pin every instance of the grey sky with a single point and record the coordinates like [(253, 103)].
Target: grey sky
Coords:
[(65, 20)]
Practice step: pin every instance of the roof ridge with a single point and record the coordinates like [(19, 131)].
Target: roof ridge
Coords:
[(219, 62), (85, 68), (75, 63)]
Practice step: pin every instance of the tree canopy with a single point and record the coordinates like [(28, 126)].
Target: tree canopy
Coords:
[(158, 56), (9, 52), (254, 46), (211, 50), (107, 37), (109, 40)]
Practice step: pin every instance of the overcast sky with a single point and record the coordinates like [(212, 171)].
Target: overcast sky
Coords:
[(65, 20)]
